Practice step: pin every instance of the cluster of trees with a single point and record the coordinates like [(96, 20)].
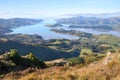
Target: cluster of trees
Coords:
[(12, 61), (86, 57), (27, 61)]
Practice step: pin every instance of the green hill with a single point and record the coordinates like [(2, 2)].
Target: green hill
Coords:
[(12, 61), (41, 52)]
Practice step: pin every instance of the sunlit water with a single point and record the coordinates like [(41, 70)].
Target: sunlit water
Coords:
[(45, 32)]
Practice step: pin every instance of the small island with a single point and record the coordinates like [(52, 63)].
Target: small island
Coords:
[(72, 32), (54, 25)]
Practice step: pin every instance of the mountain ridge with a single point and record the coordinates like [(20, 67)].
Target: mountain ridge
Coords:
[(97, 15)]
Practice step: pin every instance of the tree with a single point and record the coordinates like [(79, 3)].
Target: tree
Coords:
[(32, 57), (35, 61), (15, 57), (76, 60)]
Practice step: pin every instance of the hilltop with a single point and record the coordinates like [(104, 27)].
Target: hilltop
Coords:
[(11, 61)]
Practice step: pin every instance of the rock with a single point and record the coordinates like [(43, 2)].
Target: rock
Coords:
[(108, 58)]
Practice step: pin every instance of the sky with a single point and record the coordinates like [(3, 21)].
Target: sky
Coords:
[(55, 8)]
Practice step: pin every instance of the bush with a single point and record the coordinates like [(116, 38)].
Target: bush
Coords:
[(15, 57), (86, 52), (1, 76), (35, 61), (76, 60)]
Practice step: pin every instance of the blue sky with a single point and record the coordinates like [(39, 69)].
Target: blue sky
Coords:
[(55, 8)]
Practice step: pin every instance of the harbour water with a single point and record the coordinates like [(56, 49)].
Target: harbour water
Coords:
[(45, 32)]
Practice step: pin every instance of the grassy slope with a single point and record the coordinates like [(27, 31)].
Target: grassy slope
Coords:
[(109, 39), (94, 71)]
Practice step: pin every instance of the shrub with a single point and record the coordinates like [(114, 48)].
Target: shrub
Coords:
[(76, 60), (1, 76), (86, 52), (15, 57), (35, 61), (13, 64)]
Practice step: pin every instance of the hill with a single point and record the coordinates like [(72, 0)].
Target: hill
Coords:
[(98, 15), (106, 69), (12, 61), (58, 48), (23, 38), (110, 23), (41, 52), (7, 24)]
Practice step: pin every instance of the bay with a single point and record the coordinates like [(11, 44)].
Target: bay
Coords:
[(45, 32)]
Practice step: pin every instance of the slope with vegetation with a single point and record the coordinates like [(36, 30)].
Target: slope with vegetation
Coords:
[(39, 51), (11, 61), (23, 38), (58, 48), (96, 70)]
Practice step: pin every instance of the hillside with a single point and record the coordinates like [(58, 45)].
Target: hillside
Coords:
[(7, 24), (23, 38), (41, 52), (12, 61), (106, 69), (58, 48)]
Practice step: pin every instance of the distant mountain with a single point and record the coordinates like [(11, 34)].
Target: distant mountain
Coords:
[(100, 15), (92, 22), (7, 24)]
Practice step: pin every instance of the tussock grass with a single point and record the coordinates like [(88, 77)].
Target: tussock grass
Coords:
[(98, 71)]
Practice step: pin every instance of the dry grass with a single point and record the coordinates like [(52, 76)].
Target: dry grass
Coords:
[(97, 71)]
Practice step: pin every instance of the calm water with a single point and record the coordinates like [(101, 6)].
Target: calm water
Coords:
[(42, 30), (45, 32)]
